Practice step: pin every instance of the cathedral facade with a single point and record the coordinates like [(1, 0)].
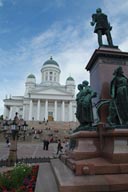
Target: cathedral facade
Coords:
[(48, 100)]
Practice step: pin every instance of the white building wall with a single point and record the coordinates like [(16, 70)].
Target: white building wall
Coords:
[(74, 112), (26, 113), (13, 111)]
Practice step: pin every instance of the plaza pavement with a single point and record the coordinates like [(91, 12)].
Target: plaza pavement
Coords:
[(35, 149), (27, 150)]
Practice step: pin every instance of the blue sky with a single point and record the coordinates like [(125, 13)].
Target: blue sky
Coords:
[(33, 30)]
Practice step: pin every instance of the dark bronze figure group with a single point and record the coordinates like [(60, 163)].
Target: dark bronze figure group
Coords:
[(84, 112), (118, 104)]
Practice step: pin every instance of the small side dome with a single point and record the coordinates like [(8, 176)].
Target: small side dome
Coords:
[(31, 79), (51, 61), (31, 76), (70, 79)]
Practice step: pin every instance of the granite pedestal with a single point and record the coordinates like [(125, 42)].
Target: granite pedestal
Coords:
[(101, 66), (102, 155)]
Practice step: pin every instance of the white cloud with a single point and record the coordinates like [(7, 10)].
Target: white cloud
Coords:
[(67, 47), (117, 15), (60, 3), (116, 7), (1, 3)]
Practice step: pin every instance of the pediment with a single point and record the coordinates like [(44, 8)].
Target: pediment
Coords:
[(50, 91)]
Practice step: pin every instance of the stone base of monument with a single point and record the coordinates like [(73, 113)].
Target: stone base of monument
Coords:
[(101, 155), (67, 181), (116, 146), (87, 145), (12, 153)]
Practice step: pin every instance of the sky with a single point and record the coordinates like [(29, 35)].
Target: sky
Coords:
[(31, 31)]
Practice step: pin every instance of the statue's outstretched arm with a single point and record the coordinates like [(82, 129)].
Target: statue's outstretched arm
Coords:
[(93, 20)]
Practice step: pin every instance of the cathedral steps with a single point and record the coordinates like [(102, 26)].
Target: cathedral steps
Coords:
[(56, 125), (60, 130)]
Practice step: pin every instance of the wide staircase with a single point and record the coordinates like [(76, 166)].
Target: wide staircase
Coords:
[(55, 125), (57, 177), (57, 130)]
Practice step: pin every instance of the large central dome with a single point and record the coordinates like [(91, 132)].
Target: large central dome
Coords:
[(51, 62), (50, 72)]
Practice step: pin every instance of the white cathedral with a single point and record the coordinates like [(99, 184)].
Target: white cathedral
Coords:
[(48, 100)]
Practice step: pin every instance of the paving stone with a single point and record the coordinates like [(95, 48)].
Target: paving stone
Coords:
[(27, 150)]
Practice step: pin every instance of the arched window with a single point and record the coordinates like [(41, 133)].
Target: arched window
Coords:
[(51, 76)]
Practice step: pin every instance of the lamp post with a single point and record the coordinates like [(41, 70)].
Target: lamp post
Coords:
[(24, 129), (12, 158)]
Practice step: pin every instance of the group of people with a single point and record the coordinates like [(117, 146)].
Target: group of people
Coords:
[(46, 143)]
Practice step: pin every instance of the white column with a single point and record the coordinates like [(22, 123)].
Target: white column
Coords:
[(30, 110), (46, 109), (55, 110), (23, 115), (5, 112), (70, 111), (38, 110), (10, 113), (63, 110)]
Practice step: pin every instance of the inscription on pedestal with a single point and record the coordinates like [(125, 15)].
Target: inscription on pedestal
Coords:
[(121, 146)]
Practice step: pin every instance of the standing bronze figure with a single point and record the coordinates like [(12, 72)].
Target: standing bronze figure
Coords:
[(119, 94), (102, 26)]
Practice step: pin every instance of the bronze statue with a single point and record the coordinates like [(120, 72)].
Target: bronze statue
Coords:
[(79, 103), (102, 26), (84, 111), (118, 109)]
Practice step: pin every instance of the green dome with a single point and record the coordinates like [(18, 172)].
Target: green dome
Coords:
[(51, 61), (70, 79), (31, 76)]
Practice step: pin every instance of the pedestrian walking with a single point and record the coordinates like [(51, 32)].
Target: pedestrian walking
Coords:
[(8, 142), (45, 144), (59, 147)]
